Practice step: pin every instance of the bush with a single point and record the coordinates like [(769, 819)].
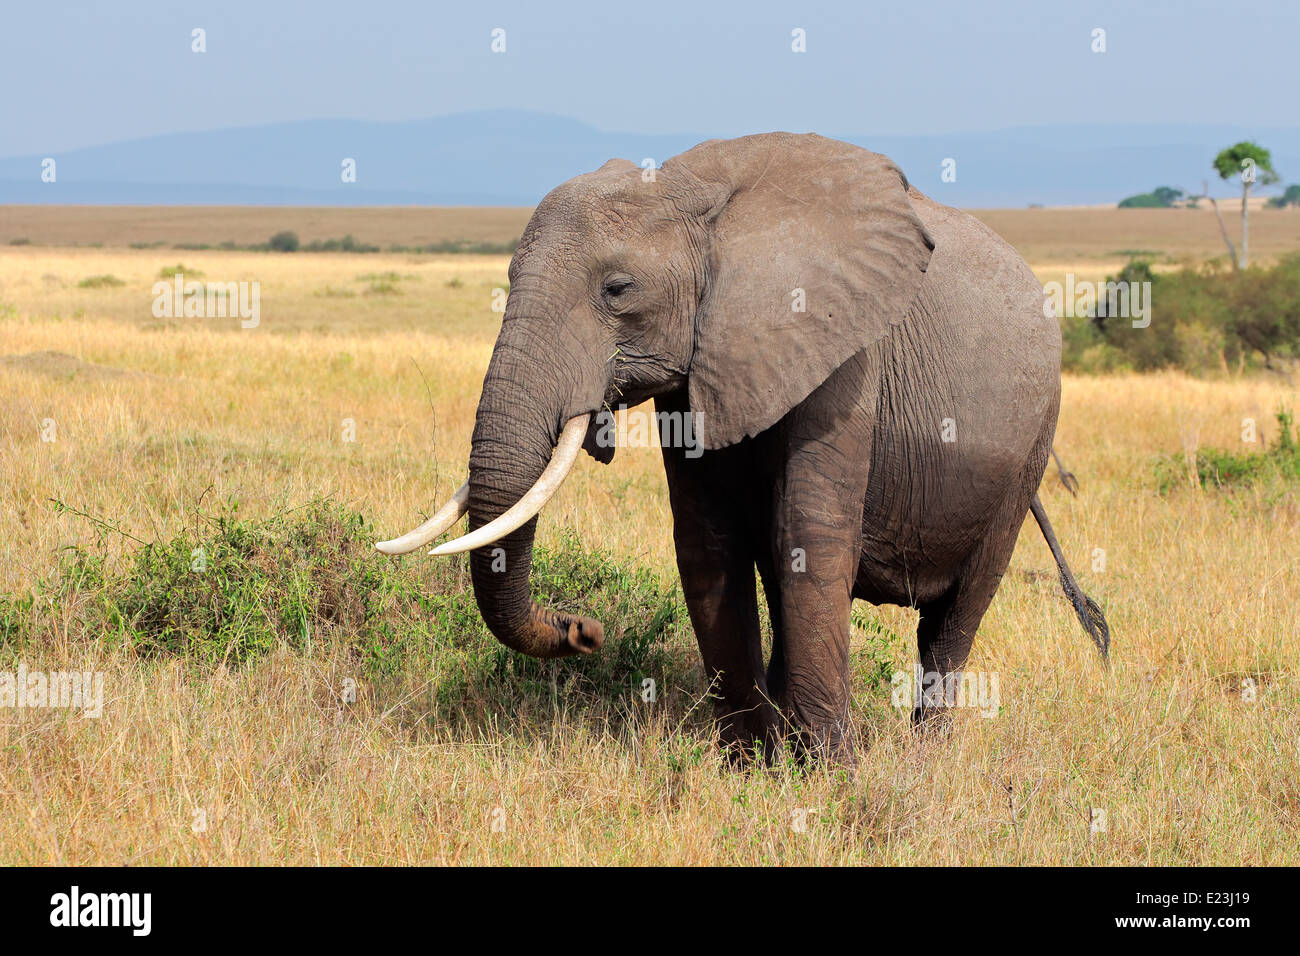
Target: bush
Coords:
[(1203, 320), (1289, 197), (346, 244), (461, 247), (1216, 468), (1162, 197), (284, 242)]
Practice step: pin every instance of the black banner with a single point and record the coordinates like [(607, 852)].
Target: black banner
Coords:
[(334, 906)]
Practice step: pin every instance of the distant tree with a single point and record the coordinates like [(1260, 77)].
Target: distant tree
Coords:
[(1194, 201), (1142, 201), (1162, 197), (1291, 197), (1254, 164), (284, 242)]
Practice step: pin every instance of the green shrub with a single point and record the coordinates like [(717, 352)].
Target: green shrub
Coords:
[(1289, 197), (1162, 197), (1217, 468), (1203, 320), (233, 589), (346, 244), (285, 241), (461, 247)]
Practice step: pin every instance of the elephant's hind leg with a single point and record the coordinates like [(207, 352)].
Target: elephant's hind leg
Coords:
[(948, 624), (944, 637)]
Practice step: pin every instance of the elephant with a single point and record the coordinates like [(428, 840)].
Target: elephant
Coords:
[(873, 381)]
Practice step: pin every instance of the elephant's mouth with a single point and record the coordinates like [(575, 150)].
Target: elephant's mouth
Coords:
[(598, 441), (572, 440)]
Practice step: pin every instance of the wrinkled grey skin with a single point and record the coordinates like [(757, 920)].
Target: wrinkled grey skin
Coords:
[(884, 444)]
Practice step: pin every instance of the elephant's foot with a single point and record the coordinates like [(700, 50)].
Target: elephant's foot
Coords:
[(808, 736), (748, 733), (822, 744), (931, 722)]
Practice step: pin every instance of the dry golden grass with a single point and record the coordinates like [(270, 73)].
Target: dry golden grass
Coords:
[(154, 415)]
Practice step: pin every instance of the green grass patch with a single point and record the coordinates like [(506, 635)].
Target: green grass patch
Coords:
[(169, 272), (384, 283), (105, 281), (231, 590)]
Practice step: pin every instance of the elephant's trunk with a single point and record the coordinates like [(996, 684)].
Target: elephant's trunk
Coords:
[(512, 444)]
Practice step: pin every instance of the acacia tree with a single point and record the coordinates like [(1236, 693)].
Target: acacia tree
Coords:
[(1255, 165)]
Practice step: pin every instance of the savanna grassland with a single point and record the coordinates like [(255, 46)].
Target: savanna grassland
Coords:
[(134, 449)]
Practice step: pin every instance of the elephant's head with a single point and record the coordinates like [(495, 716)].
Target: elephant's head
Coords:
[(744, 270)]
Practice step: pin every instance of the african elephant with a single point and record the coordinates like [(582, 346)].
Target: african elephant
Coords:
[(874, 387)]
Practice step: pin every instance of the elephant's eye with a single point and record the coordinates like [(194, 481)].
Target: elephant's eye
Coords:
[(617, 285)]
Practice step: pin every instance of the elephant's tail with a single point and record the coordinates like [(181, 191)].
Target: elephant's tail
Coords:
[(1094, 622), (1067, 477)]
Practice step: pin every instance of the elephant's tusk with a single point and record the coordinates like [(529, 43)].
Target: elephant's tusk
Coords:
[(444, 518), (566, 453)]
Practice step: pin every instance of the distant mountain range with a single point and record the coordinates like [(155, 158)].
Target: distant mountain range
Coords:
[(512, 158)]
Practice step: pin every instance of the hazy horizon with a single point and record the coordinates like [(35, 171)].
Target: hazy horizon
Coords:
[(1255, 129), (127, 73)]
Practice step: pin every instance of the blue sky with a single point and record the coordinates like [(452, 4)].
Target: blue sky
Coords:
[(77, 74)]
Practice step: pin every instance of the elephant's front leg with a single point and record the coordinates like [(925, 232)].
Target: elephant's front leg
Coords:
[(817, 547), (716, 561), (809, 674)]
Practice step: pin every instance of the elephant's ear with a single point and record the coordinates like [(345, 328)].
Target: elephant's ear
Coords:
[(814, 253)]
